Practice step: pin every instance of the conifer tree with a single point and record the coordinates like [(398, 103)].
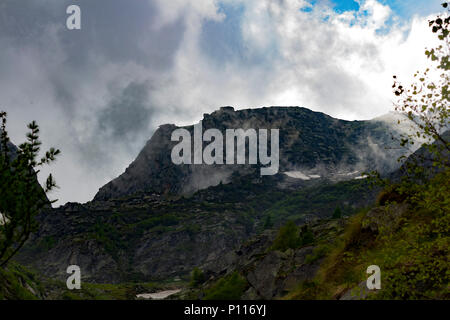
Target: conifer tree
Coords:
[(21, 195)]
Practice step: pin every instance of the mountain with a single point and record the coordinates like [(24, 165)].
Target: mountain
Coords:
[(158, 220), (310, 142), (426, 156), (402, 234)]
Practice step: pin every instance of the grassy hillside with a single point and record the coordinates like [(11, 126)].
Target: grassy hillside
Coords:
[(406, 233), (18, 283), (409, 241)]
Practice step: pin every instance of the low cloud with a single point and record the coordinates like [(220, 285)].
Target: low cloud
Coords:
[(99, 93)]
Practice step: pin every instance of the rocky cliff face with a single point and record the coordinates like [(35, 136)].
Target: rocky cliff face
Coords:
[(270, 273), (159, 220), (310, 142)]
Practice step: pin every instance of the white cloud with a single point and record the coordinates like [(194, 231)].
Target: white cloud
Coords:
[(341, 64), (377, 13), (170, 11)]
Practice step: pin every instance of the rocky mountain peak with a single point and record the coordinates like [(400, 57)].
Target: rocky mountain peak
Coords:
[(312, 143)]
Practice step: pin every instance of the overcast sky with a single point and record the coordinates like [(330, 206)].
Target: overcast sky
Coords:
[(100, 92)]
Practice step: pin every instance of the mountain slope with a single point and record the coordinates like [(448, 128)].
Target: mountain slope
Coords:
[(406, 235), (141, 227), (309, 141)]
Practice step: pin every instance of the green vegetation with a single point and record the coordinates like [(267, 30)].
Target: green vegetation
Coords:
[(109, 237), (414, 259), (21, 196), (165, 220), (268, 223), (290, 237), (306, 236), (391, 194), (337, 213), (18, 283), (231, 287), (197, 277), (321, 200), (318, 253)]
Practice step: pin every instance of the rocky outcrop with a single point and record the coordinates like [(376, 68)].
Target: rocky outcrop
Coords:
[(144, 238), (270, 273), (137, 239), (309, 141), (386, 219), (141, 226)]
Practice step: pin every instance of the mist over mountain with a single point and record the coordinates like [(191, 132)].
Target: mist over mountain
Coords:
[(312, 144)]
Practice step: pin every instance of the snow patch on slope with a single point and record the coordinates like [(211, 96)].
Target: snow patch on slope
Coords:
[(300, 175)]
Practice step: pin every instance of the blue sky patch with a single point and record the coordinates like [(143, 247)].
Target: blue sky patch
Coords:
[(345, 5), (405, 9)]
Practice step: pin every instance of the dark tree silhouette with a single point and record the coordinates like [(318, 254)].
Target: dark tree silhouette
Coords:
[(426, 101), (21, 195)]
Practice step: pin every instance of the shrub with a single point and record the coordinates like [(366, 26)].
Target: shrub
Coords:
[(22, 198), (268, 223), (318, 253), (231, 287), (306, 236), (288, 237), (337, 213), (197, 277), (391, 194)]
